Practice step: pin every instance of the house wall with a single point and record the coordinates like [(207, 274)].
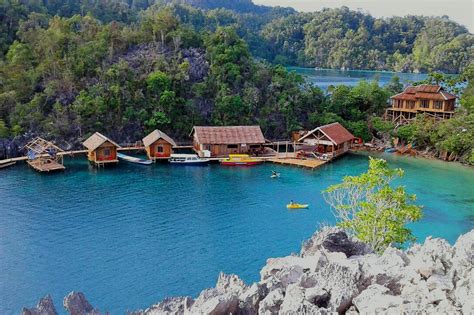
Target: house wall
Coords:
[(153, 150), (220, 150), (404, 105), (106, 152)]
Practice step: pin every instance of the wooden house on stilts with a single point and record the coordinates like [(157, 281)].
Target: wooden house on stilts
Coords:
[(329, 141), (101, 150), (158, 145), (44, 156)]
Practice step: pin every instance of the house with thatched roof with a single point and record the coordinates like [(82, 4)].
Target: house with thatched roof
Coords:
[(158, 145), (225, 140), (101, 150)]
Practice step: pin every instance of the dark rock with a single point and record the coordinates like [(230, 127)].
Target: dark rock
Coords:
[(45, 307), (334, 240)]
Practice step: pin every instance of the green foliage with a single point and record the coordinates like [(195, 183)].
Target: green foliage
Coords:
[(381, 125), (369, 208), (4, 132)]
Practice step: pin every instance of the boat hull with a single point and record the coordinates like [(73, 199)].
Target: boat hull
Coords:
[(297, 206), (197, 163), (134, 160)]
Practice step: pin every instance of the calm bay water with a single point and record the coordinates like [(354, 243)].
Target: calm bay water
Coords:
[(130, 235), (327, 77)]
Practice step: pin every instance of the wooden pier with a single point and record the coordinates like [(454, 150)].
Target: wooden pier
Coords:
[(309, 163)]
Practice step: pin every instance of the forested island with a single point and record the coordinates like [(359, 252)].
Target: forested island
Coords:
[(69, 68)]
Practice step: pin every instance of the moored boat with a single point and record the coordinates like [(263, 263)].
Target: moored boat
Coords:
[(188, 159), (240, 160), (132, 159)]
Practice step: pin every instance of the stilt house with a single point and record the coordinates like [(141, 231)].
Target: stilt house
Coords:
[(431, 100), (222, 141), (44, 156), (330, 140), (158, 145), (101, 150)]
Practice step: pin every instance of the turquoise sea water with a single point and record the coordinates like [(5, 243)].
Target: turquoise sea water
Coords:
[(327, 77), (130, 235)]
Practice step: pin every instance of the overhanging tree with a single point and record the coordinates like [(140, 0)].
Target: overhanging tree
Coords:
[(369, 208)]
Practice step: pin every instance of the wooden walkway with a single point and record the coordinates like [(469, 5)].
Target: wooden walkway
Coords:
[(312, 163), (67, 153)]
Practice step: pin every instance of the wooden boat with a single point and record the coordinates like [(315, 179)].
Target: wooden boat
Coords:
[(297, 206), (5, 165), (240, 160), (188, 159), (132, 159)]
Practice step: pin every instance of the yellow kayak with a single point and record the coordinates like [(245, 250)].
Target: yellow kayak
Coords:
[(297, 206)]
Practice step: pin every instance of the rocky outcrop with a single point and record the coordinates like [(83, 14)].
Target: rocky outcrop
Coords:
[(336, 273), (45, 307), (76, 304)]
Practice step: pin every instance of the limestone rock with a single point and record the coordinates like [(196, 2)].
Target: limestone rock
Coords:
[(271, 303), (223, 299), (169, 306), (376, 299), (433, 257), (250, 299), (295, 302), (45, 306), (76, 304)]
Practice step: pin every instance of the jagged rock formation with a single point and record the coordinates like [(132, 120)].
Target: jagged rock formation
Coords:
[(336, 273), (45, 307)]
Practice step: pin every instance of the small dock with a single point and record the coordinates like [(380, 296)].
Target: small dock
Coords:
[(310, 163)]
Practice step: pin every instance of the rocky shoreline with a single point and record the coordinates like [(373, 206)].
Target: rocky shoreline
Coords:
[(332, 273)]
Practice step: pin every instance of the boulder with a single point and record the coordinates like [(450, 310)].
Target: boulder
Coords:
[(376, 299), (250, 299), (333, 239), (271, 303), (296, 303), (45, 306), (433, 257), (223, 299), (76, 304)]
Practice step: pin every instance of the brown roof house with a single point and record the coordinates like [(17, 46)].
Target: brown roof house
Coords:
[(222, 141), (101, 150), (158, 145), (330, 140), (431, 100)]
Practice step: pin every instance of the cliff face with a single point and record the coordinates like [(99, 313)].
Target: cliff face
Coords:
[(334, 273)]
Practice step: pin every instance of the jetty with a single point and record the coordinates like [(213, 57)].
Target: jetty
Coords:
[(43, 155), (308, 163)]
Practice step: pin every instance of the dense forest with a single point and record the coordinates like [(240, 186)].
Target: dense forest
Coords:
[(69, 68)]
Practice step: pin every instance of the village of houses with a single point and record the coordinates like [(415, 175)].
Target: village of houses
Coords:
[(241, 145)]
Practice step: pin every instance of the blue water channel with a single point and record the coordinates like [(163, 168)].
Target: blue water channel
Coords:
[(130, 235)]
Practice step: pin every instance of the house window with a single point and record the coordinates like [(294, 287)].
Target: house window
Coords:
[(106, 152), (424, 103), (438, 104), (159, 149), (410, 104), (232, 146)]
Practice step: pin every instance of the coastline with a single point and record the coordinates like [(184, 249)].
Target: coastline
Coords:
[(429, 157), (332, 273)]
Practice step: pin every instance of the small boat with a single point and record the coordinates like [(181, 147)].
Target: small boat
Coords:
[(275, 175), (240, 160), (5, 165), (390, 150), (132, 159), (187, 159), (297, 206)]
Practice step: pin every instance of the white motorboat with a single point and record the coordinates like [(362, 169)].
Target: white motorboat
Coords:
[(187, 159)]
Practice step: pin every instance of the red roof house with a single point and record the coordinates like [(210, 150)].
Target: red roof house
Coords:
[(332, 139)]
